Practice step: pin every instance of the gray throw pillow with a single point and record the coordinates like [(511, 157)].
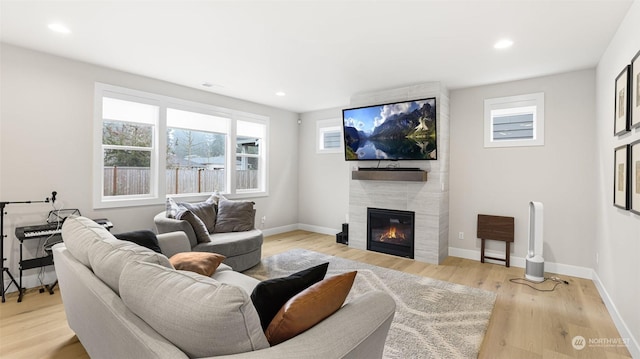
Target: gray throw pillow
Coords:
[(234, 216), (205, 211), (202, 234)]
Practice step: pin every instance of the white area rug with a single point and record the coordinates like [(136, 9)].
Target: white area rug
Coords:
[(434, 319)]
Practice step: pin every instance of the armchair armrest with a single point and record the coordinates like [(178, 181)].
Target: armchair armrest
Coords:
[(166, 225), (173, 242)]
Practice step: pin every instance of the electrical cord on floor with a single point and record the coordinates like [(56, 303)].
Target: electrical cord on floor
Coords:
[(554, 279)]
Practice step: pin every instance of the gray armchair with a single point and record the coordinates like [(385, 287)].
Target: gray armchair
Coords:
[(242, 249)]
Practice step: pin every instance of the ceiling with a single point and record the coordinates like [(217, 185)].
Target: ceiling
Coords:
[(320, 53)]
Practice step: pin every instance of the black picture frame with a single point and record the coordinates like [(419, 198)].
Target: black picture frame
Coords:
[(621, 102), (634, 177), (621, 176), (634, 85)]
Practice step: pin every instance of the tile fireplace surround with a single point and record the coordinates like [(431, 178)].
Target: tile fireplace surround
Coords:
[(429, 200)]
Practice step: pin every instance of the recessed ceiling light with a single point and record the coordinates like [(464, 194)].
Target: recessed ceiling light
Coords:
[(503, 44), (280, 93), (207, 84), (57, 27)]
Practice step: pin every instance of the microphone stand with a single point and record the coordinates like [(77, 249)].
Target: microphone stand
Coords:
[(4, 289)]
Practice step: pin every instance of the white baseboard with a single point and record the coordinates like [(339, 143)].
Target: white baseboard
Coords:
[(557, 268), (318, 229), (300, 226), (625, 333), (278, 230)]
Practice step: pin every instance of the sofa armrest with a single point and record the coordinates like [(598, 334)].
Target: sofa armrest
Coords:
[(166, 225), (358, 330), (173, 242)]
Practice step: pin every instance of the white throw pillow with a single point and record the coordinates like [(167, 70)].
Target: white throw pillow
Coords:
[(200, 315)]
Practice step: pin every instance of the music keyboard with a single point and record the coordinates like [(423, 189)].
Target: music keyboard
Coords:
[(51, 229)]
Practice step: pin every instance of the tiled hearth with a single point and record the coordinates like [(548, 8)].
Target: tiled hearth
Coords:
[(429, 200)]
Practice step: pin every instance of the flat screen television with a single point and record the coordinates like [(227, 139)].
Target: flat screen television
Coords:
[(393, 131)]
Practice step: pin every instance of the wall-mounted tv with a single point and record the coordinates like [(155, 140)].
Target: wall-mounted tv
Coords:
[(393, 131)]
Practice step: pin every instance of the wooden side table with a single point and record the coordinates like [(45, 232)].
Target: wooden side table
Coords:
[(496, 228)]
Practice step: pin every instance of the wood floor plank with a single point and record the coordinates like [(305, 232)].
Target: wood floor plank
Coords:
[(524, 323)]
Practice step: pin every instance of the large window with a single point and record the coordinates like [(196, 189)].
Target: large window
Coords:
[(514, 121), (196, 152), (149, 146)]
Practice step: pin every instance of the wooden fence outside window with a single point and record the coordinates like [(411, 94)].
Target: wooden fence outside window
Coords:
[(122, 181)]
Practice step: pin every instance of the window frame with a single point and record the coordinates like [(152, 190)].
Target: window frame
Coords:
[(497, 106), (158, 191), (326, 126), (263, 185)]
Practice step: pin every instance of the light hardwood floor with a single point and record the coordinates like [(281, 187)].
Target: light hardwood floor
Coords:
[(524, 324)]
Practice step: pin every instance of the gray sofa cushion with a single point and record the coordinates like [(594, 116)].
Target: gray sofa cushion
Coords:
[(79, 233), (109, 256), (233, 243), (200, 315)]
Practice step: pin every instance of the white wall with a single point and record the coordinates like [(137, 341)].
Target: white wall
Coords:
[(502, 181), (323, 178), (47, 120), (617, 231), (498, 181)]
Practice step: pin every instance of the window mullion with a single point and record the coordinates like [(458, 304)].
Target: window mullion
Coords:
[(127, 148), (231, 158)]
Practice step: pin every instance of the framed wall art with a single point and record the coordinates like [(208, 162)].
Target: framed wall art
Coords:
[(634, 167), (621, 177), (635, 91), (622, 123)]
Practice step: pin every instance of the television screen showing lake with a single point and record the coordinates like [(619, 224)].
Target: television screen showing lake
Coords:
[(396, 131), (403, 149)]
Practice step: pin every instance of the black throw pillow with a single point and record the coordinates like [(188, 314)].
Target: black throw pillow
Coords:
[(145, 238), (270, 295)]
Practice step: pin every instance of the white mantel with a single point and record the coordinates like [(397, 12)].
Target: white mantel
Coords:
[(429, 200)]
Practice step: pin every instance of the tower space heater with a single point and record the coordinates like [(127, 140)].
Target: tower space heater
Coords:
[(534, 269)]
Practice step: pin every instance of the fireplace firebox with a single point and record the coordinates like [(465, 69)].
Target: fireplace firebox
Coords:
[(390, 231)]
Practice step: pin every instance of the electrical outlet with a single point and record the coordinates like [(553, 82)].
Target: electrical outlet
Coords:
[(264, 219), (597, 258), (460, 235)]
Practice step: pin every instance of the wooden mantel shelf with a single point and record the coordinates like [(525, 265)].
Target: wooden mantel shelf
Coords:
[(385, 175)]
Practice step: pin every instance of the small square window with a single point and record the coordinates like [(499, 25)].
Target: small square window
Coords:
[(329, 136), (514, 121)]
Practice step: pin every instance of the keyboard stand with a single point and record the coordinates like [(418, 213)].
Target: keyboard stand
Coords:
[(4, 289), (6, 269)]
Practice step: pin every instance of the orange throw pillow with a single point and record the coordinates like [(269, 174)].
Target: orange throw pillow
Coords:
[(309, 307), (204, 263)]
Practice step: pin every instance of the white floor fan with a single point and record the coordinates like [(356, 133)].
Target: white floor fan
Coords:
[(534, 270)]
